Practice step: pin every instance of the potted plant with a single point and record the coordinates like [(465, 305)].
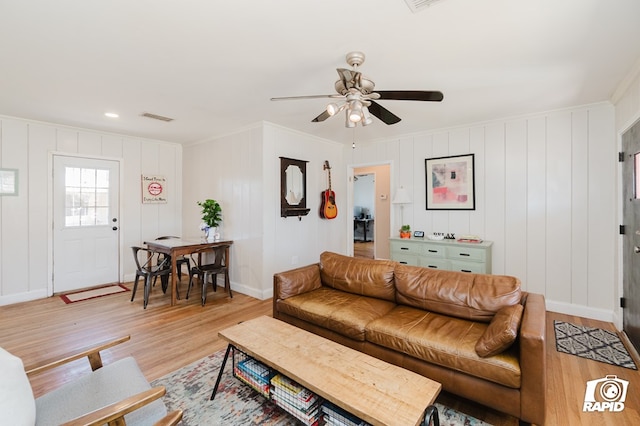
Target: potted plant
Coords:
[(211, 217), (405, 231)]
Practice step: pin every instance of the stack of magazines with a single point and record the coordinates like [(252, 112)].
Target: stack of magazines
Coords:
[(296, 400), (253, 373), (336, 416)]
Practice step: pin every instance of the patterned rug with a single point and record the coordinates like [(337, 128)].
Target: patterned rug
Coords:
[(79, 296), (592, 343), (189, 389)]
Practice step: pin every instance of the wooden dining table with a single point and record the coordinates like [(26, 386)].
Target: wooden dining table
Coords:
[(176, 247)]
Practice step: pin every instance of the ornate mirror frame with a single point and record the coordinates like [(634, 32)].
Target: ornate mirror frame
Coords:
[(291, 191)]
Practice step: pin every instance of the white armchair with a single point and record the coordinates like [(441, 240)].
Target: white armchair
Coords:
[(116, 394)]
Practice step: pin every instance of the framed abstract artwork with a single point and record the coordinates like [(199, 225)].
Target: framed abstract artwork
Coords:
[(450, 183)]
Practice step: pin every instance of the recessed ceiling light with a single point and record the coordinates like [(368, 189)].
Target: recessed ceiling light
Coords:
[(111, 114)]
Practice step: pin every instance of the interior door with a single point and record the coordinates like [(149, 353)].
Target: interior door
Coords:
[(85, 222), (631, 238)]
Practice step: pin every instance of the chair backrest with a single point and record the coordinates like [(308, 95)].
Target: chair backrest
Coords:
[(167, 237), (144, 259), (202, 257)]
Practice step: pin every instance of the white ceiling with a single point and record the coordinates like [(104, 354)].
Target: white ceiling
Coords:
[(213, 65)]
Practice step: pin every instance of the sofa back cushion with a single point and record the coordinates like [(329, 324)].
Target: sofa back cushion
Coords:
[(460, 294), (367, 277)]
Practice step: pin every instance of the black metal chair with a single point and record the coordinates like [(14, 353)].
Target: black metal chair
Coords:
[(203, 268), (149, 266), (181, 260)]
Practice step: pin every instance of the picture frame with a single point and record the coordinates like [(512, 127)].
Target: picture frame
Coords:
[(8, 181), (450, 183)]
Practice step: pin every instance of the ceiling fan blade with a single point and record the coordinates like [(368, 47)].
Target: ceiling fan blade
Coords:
[(411, 95), (288, 98), (383, 114), (323, 116)]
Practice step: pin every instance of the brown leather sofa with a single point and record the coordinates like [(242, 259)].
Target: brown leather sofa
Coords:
[(479, 335)]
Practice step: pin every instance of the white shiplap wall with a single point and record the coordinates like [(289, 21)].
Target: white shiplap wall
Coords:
[(545, 195), (25, 257)]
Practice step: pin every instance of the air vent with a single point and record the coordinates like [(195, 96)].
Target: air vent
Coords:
[(156, 117), (418, 5)]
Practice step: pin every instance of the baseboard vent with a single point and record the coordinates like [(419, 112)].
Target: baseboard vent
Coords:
[(156, 116), (418, 5)]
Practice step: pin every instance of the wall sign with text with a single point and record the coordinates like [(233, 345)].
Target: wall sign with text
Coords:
[(154, 189)]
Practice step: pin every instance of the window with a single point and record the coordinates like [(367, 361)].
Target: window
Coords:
[(86, 197)]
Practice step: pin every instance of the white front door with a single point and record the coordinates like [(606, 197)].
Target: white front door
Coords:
[(85, 222)]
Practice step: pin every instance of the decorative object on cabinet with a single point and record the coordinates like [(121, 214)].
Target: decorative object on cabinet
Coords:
[(405, 231), (401, 197), (446, 254), (211, 218), (293, 187), (450, 183), (328, 208), (418, 234)]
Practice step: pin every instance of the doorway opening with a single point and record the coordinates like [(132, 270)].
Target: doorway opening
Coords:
[(370, 205)]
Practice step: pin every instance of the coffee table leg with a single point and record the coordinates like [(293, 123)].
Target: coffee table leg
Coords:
[(431, 415), (224, 362)]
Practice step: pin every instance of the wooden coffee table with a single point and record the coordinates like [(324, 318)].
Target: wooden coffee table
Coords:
[(376, 391)]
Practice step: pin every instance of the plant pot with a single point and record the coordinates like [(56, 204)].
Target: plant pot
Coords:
[(405, 234)]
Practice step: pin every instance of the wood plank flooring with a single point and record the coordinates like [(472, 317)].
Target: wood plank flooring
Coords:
[(165, 338)]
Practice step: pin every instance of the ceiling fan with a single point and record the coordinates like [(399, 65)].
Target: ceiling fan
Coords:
[(358, 99)]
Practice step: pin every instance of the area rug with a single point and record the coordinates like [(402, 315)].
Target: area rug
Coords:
[(592, 343), (93, 293), (189, 389)]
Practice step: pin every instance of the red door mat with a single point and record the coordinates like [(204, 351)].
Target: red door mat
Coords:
[(93, 293)]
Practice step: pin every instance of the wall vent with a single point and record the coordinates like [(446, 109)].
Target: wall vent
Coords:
[(418, 5), (156, 116)]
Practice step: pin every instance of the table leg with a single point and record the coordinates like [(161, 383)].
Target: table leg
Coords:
[(224, 362), (174, 271), (431, 416)]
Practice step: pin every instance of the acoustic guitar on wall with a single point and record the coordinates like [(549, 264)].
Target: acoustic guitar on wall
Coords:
[(328, 208)]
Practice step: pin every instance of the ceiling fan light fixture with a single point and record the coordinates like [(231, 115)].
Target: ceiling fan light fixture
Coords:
[(333, 108), (366, 116), (355, 111), (348, 123)]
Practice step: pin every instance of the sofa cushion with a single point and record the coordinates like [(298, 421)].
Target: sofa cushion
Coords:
[(344, 313), (17, 404), (107, 385), (445, 341), (469, 296), (502, 331), (366, 277)]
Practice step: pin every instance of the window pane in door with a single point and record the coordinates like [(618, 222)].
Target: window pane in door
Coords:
[(87, 197)]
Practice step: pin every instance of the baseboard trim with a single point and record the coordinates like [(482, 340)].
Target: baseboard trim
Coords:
[(23, 297), (581, 311)]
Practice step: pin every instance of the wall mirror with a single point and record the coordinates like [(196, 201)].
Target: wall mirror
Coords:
[(293, 187)]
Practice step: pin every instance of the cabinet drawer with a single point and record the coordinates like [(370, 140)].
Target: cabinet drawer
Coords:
[(401, 247), (472, 267), (405, 259), (435, 263), (466, 253), (434, 251)]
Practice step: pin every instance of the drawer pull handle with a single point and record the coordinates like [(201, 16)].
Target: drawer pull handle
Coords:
[(465, 254), (404, 263), (464, 270), (404, 248), (433, 251), (433, 267)]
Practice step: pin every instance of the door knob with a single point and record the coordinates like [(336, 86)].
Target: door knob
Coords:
[(636, 249), (115, 228)]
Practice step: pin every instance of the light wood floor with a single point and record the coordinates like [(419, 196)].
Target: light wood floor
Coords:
[(164, 339)]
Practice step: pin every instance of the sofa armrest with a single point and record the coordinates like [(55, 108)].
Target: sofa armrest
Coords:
[(92, 353), (533, 359), (295, 281)]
